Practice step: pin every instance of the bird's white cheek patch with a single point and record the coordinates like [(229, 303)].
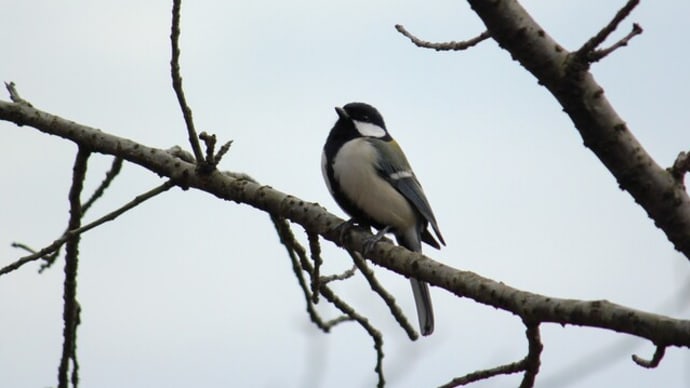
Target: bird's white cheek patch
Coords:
[(369, 129)]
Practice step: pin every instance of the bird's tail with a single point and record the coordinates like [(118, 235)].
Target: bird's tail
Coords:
[(411, 240), (425, 312)]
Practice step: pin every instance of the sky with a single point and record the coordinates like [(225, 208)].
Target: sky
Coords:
[(188, 290)]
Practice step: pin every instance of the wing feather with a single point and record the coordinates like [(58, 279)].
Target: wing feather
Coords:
[(394, 167)]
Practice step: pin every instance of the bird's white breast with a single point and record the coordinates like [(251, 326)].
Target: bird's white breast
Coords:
[(354, 169)]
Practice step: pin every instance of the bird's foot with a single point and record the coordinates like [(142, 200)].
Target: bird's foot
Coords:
[(370, 242), (343, 229)]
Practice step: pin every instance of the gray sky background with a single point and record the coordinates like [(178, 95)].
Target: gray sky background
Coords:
[(187, 290)]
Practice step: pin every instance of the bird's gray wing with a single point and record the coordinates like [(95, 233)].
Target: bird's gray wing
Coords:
[(394, 167)]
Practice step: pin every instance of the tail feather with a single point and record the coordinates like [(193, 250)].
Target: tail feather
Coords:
[(425, 311), (412, 240)]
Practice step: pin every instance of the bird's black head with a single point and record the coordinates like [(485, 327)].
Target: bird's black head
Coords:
[(362, 112), (358, 119)]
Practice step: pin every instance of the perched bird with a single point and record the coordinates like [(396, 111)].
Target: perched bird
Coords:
[(370, 178)]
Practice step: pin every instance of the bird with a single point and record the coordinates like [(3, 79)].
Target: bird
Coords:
[(370, 178)]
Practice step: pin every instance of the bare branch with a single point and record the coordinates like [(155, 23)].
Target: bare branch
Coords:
[(109, 176), (55, 245), (484, 374), (314, 218), (294, 249), (23, 247), (373, 333), (315, 249), (654, 362), (70, 305), (177, 82), (295, 252), (14, 95), (596, 55), (395, 310), (341, 276), (445, 46), (529, 364), (599, 38), (532, 361), (602, 130), (222, 151)]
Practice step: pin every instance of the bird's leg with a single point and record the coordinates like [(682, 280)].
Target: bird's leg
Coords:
[(369, 244), (343, 229)]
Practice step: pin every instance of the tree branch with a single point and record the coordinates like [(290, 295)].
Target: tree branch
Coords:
[(232, 187), (70, 305), (445, 46), (597, 55), (55, 245), (601, 36), (565, 75), (654, 362), (109, 176), (177, 82), (395, 310), (529, 364)]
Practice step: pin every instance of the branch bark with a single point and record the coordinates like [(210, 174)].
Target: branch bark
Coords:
[(566, 75), (661, 330)]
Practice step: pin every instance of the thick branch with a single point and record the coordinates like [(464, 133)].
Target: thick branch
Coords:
[(531, 307), (566, 76)]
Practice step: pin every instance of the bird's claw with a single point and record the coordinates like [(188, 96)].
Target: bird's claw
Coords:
[(370, 242), (343, 230)]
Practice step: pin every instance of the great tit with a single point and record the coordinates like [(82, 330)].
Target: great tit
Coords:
[(370, 178)]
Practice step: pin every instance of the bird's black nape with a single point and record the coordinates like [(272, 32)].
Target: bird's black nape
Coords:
[(361, 111)]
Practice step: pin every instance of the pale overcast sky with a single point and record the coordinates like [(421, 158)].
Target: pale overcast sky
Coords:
[(188, 290)]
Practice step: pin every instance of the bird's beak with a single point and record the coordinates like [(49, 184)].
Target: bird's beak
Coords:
[(341, 113)]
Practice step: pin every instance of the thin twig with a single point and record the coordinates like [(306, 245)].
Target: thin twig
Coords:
[(70, 307), (210, 143), (315, 250), (484, 374), (23, 246), (298, 256), (387, 297), (109, 176), (222, 151), (529, 364), (445, 46), (654, 362), (342, 276), (597, 55), (212, 159), (294, 250), (14, 95), (177, 82), (599, 38), (364, 322), (532, 361), (108, 217)]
